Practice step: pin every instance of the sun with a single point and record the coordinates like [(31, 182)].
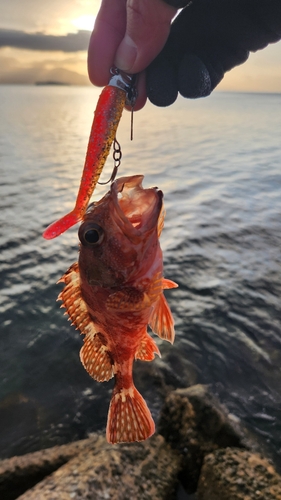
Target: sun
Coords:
[(84, 22)]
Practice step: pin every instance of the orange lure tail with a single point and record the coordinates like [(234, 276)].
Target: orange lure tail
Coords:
[(106, 119)]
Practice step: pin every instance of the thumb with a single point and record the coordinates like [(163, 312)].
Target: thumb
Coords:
[(147, 29)]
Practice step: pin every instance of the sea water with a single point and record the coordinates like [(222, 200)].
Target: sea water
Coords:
[(218, 162)]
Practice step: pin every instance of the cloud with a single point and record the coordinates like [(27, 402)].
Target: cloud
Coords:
[(28, 67), (72, 42)]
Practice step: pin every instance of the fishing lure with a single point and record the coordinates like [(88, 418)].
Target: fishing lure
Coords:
[(112, 100)]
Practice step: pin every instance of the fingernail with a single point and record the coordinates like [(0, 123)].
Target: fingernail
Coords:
[(126, 54)]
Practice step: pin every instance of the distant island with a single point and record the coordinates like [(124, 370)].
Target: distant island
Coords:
[(51, 82)]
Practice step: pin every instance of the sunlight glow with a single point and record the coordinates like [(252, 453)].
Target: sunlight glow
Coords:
[(84, 22)]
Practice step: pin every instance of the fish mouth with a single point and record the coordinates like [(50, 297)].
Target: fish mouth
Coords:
[(138, 209)]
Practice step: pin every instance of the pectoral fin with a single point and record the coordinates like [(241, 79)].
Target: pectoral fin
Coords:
[(168, 284)]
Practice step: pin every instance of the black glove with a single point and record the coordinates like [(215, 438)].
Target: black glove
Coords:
[(208, 38)]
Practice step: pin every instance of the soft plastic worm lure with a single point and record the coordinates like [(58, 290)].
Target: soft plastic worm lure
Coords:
[(106, 119)]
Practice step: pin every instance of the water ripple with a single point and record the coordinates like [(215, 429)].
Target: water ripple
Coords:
[(220, 173)]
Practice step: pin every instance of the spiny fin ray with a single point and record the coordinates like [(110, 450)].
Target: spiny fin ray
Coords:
[(73, 301), (146, 349), (161, 320)]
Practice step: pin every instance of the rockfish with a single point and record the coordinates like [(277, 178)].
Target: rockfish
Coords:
[(115, 291)]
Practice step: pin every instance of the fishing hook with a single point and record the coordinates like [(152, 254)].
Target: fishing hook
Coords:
[(117, 155), (128, 83)]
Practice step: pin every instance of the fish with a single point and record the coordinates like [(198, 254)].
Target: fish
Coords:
[(115, 291), (119, 91)]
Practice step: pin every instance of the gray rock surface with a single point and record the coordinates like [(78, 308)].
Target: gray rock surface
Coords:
[(194, 422), (18, 474), (235, 474), (198, 438), (141, 471)]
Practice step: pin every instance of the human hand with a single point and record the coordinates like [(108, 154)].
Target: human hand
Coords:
[(128, 34), (208, 38)]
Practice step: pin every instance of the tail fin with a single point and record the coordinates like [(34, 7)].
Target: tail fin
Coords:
[(129, 418)]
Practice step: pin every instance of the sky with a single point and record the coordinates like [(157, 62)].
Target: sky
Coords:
[(47, 40)]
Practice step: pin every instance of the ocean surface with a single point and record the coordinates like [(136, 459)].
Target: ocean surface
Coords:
[(218, 162)]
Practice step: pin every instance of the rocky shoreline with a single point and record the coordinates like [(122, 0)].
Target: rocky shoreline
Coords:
[(199, 445)]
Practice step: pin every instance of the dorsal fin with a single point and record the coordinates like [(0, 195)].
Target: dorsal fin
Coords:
[(94, 353), (73, 301)]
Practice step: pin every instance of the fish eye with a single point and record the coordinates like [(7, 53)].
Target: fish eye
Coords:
[(90, 234)]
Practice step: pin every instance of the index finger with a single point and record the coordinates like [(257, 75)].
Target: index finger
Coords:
[(109, 30)]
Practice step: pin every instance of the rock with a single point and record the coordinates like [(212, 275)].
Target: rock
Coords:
[(195, 423), (235, 474), (121, 472), (18, 474), (197, 430)]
